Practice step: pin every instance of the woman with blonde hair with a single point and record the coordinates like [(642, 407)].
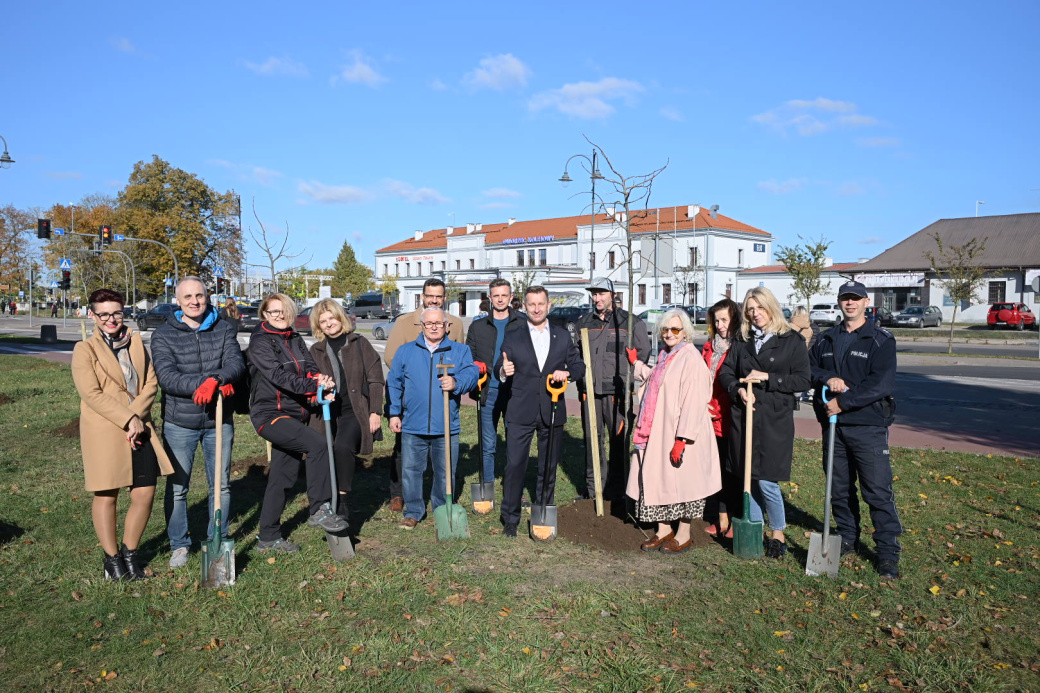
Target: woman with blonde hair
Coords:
[(676, 463), (772, 356), (354, 365), (117, 385)]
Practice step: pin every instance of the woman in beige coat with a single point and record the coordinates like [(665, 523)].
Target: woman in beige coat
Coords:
[(117, 386), (676, 463)]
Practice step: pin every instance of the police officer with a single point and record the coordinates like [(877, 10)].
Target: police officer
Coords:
[(856, 359)]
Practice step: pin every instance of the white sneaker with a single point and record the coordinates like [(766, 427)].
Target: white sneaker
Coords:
[(179, 559)]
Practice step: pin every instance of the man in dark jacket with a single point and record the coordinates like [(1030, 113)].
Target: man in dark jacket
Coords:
[(195, 354), (608, 339), (856, 360), (485, 341)]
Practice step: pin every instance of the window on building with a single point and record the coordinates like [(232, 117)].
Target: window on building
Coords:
[(386, 269), (418, 269), (530, 257), (472, 263), (519, 258), (619, 298), (740, 257), (666, 293), (729, 291), (397, 270), (642, 294), (458, 264), (610, 259), (543, 257), (431, 267), (694, 256), (997, 292), (693, 293), (407, 269), (444, 265)]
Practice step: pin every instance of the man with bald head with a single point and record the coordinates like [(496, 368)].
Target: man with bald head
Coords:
[(195, 353), (416, 388)]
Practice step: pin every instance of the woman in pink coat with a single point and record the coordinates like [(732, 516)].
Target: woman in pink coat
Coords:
[(676, 464)]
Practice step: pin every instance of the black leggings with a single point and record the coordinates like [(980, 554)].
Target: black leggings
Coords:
[(290, 441), (346, 433)]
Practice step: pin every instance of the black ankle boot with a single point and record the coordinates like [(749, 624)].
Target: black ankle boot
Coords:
[(134, 570), (115, 569)]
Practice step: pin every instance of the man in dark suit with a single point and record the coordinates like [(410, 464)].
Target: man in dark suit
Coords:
[(531, 352)]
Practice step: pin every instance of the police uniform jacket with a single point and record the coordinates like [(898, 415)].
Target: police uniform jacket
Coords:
[(868, 369)]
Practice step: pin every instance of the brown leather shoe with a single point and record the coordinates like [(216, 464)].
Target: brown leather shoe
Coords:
[(396, 504), (408, 523), (654, 542), (672, 546)]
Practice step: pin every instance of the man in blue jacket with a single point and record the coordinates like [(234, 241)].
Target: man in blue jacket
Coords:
[(195, 353), (416, 408), (856, 359)]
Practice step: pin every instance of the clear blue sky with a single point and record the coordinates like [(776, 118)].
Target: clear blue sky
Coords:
[(365, 121)]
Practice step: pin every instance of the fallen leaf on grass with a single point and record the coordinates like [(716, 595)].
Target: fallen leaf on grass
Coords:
[(159, 653), (272, 559), (781, 633), (76, 595), (935, 589)]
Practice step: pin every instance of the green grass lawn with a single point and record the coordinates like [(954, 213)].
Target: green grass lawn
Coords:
[(491, 614)]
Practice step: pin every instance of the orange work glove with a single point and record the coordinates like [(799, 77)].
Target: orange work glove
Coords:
[(481, 366), (632, 356), (677, 451), (227, 390), (204, 395)]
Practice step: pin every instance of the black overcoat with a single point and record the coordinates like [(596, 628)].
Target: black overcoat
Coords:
[(786, 360)]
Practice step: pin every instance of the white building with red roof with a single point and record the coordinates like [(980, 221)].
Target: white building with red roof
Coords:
[(689, 254), (776, 279)]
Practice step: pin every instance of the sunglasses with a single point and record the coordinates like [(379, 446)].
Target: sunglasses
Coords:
[(672, 330)]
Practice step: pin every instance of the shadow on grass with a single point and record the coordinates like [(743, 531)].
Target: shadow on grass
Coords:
[(9, 532)]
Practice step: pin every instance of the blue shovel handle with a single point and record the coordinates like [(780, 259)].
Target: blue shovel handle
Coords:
[(823, 394), (325, 406)]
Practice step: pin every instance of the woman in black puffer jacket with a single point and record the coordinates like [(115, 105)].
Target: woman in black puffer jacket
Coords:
[(284, 387)]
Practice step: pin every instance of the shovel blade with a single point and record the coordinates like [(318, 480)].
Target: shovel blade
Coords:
[(747, 538), (450, 522), (218, 565), (823, 559), (340, 545), (483, 497), (543, 522)]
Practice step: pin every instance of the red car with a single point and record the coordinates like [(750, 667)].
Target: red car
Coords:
[(1010, 315)]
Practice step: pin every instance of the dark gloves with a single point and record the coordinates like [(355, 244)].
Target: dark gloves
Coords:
[(204, 395), (677, 451), (481, 366), (632, 356), (227, 390)]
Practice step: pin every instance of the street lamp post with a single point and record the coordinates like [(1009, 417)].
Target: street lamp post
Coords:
[(977, 203), (5, 159), (594, 175)]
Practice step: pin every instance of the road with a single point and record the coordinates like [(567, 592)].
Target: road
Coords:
[(979, 405)]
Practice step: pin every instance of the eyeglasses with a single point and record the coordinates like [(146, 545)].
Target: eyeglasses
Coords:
[(672, 330), (105, 317), (274, 313), (433, 324)]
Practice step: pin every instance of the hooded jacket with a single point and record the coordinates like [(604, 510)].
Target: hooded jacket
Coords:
[(281, 373), (185, 357), (415, 391)]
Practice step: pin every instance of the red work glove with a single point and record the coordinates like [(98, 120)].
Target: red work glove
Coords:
[(227, 390), (632, 356), (204, 395), (481, 366), (677, 451)]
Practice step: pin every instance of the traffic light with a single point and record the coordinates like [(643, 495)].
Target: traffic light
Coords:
[(220, 285), (66, 280), (105, 234), (43, 228)]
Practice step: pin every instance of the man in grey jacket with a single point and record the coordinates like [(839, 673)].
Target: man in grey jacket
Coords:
[(195, 353)]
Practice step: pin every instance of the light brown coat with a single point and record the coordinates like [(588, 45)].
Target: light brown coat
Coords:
[(105, 410), (407, 328), (682, 412)]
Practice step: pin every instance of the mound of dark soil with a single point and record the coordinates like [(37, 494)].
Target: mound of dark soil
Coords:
[(244, 467), (5, 399), (69, 430), (614, 531)]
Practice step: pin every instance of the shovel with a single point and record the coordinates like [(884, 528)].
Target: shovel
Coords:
[(218, 554), (483, 492), (824, 549), (590, 416), (449, 520), (747, 535), (340, 545), (543, 517)]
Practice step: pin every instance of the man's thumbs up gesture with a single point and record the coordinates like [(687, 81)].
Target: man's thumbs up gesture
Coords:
[(507, 366)]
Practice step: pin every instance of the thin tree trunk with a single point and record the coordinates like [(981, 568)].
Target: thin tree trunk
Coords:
[(949, 343)]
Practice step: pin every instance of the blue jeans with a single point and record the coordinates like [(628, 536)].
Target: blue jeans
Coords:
[(490, 414), (180, 444), (767, 493), (417, 452)]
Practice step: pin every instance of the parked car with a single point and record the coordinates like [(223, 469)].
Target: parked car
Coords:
[(303, 321), (248, 318), (1010, 315), (155, 317), (131, 313), (374, 304), (381, 330), (881, 315), (567, 317), (919, 316), (698, 314), (826, 313)]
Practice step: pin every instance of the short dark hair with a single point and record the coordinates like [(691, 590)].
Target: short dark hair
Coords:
[(433, 281), (104, 296), (536, 289), (726, 304), (500, 282)]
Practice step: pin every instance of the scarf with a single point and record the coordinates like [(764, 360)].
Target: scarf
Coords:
[(761, 337), (653, 389), (119, 345), (719, 346)]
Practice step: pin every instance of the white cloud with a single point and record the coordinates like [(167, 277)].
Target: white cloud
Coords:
[(278, 66), (875, 142), (413, 195), (782, 188), (587, 100), (263, 176), (359, 71), (64, 175), (334, 194), (501, 193), (814, 117), (437, 85), (498, 72), (671, 114), (870, 240), (123, 44)]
